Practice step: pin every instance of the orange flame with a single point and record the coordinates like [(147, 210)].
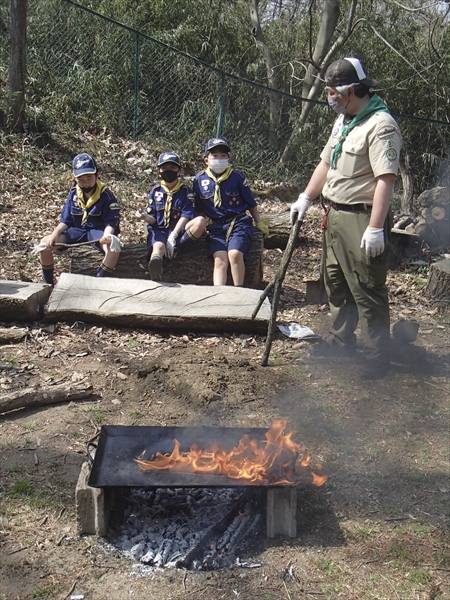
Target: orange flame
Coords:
[(269, 461)]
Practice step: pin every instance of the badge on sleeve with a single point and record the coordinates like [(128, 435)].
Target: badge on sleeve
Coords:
[(386, 132), (391, 154)]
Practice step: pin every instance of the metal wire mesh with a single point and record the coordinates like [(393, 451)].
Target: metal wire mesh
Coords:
[(87, 69)]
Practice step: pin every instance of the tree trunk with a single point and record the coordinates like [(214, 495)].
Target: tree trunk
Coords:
[(438, 286), (17, 66), (274, 99), (191, 266), (35, 396), (408, 185), (313, 85)]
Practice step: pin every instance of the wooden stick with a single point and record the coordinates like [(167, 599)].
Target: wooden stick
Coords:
[(36, 396), (276, 284)]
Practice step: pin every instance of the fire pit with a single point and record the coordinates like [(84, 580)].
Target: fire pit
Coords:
[(159, 462)]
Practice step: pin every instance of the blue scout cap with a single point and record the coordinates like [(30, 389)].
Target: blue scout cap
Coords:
[(84, 164), (169, 157), (214, 143)]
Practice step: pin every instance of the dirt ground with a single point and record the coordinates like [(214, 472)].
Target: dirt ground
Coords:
[(378, 528)]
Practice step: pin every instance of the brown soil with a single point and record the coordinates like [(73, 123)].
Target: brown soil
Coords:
[(378, 528)]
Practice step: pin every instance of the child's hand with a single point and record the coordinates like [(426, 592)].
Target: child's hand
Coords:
[(141, 214)]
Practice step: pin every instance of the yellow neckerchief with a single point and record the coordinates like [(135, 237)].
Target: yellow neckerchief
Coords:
[(218, 181), (85, 206), (168, 206)]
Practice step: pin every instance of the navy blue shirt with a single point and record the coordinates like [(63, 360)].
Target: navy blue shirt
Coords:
[(106, 211), (182, 206), (235, 193)]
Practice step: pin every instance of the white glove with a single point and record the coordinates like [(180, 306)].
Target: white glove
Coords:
[(38, 248), (299, 208), (171, 244), (373, 241), (116, 244)]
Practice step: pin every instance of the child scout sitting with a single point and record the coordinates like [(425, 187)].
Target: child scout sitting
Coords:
[(223, 196), (170, 215), (90, 213)]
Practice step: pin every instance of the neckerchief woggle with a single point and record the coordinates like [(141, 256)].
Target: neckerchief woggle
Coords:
[(218, 181), (373, 106), (85, 206), (168, 205)]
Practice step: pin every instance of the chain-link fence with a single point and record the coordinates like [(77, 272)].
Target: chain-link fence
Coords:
[(84, 68)]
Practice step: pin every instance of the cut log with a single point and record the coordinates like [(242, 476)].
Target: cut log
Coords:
[(35, 396), (279, 230), (405, 246), (438, 213), (191, 266), (22, 301), (438, 286), (435, 196), (159, 305), (12, 334)]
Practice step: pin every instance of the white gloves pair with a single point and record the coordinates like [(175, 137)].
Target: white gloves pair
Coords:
[(171, 244), (373, 241), (116, 244), (299, 208)]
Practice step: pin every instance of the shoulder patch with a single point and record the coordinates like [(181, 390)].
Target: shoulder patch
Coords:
[(114, 206), (386, 132), (391, 154)]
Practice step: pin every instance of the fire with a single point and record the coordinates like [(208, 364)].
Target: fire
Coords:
[(271, 461)]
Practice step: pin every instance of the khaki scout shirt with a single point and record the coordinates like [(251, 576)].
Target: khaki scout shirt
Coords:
[(371, 149)]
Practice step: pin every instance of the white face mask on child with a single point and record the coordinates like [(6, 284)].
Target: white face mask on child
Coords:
[(218, 165)]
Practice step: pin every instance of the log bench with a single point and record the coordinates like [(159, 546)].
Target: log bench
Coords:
[(191, 266)]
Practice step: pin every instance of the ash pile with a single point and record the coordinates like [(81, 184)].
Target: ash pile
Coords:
[(191, 528)]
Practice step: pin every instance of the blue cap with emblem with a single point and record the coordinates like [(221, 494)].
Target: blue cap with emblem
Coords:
[(169, 157), (84, 164), (215, 143)]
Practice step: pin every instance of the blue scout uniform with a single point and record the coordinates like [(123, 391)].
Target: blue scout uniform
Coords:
[(167, 207), (88, 220), (225, 206)]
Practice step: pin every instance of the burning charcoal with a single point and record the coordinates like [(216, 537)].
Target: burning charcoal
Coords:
[(163, 553), (148, 557), (137, 538), (138, 550)]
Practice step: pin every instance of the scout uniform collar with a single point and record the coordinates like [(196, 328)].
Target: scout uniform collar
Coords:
[(85, 206), (168, 205), (373, 106), (218, 181)]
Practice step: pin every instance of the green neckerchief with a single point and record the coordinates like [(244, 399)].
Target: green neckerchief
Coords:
[(168, 205), (218, 181), (373, 106), (85, 206)]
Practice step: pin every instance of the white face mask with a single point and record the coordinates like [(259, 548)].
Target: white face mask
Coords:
[(218, 165)]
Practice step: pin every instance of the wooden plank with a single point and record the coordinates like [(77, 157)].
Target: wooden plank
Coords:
[(159, 305), (22, 301)]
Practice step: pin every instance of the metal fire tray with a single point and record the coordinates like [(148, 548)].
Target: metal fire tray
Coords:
[(118, 445)]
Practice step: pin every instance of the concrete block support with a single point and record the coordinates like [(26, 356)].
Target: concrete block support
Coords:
[(93, 505), (281, 513)]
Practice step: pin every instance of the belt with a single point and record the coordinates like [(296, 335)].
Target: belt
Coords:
[(351, 207), (233, 218)]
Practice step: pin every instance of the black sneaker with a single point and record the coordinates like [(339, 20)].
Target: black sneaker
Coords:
[(375, 369), (326, 350), (155, 268)]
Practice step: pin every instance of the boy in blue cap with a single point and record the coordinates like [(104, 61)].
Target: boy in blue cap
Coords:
[(170, 215), (223, 196), (91, 212)]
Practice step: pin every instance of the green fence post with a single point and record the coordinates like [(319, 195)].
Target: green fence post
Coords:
[(136, 87), (222, 107)]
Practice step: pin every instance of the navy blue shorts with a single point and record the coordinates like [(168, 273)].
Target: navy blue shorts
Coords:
[(240, 237), (75, 235), (160, 235)]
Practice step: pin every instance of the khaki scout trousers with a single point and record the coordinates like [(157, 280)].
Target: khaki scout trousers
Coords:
[(356, 283)]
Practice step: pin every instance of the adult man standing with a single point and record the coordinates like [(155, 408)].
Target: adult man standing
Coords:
[(356, 176)]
